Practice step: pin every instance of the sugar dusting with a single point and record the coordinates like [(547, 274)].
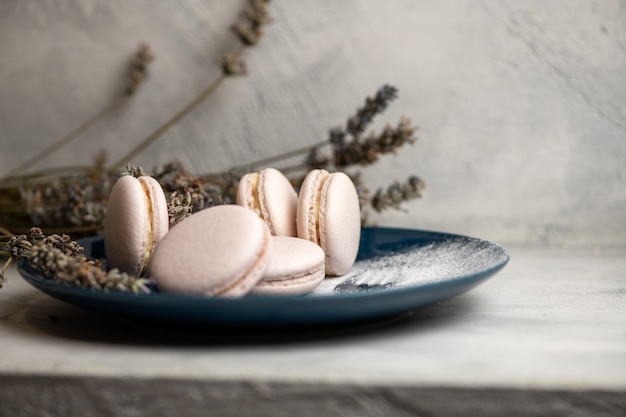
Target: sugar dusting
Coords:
[(437, 261)]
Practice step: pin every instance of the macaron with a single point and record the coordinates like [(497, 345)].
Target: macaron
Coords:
[(270, 194), (136, 220), (221, 251), (296, 268), (328, 214)]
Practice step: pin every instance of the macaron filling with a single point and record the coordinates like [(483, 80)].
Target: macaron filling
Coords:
[(308, 273), (150, 228), (313, 218), (254, 191), (322, 180)]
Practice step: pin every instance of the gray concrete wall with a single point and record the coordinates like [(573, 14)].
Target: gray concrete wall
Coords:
[(521, 105)]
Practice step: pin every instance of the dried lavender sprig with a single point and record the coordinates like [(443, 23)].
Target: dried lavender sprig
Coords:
[(134, 171), (139, 68), (21, 246), (249, 27), (257, 12), (78, 203), (348, 140), (397, 193), (373, 105), (368, 150), (247, 33), (232, 64), (179, 206), (54, 264), (57, 257), (187, 193)]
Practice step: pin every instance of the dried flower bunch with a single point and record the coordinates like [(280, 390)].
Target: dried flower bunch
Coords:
[(187, 193), (73, 200), (60, 258), (73, 204)]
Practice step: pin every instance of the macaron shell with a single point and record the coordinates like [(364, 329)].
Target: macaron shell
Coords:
[(278, 201), (297, 267), (339, 223), (220, 251), (295, 286), (126, 226)]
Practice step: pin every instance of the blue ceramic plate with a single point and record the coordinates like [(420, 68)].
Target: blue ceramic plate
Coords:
[(397, 270)]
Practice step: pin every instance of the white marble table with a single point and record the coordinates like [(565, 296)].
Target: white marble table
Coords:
[(547, 335)]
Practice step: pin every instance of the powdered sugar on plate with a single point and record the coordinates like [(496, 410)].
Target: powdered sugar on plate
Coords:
[(417, 265)]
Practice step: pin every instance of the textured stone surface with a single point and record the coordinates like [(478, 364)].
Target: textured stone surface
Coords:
[(521, 105), (62, 396)]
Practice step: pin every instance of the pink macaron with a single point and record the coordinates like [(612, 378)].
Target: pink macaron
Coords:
[(222, 251), (270, 194), (136, 220), (328, 214), (296, 268)]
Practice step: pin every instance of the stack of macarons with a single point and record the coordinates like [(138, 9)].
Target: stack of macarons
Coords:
[(274, 241), (326, 212)]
